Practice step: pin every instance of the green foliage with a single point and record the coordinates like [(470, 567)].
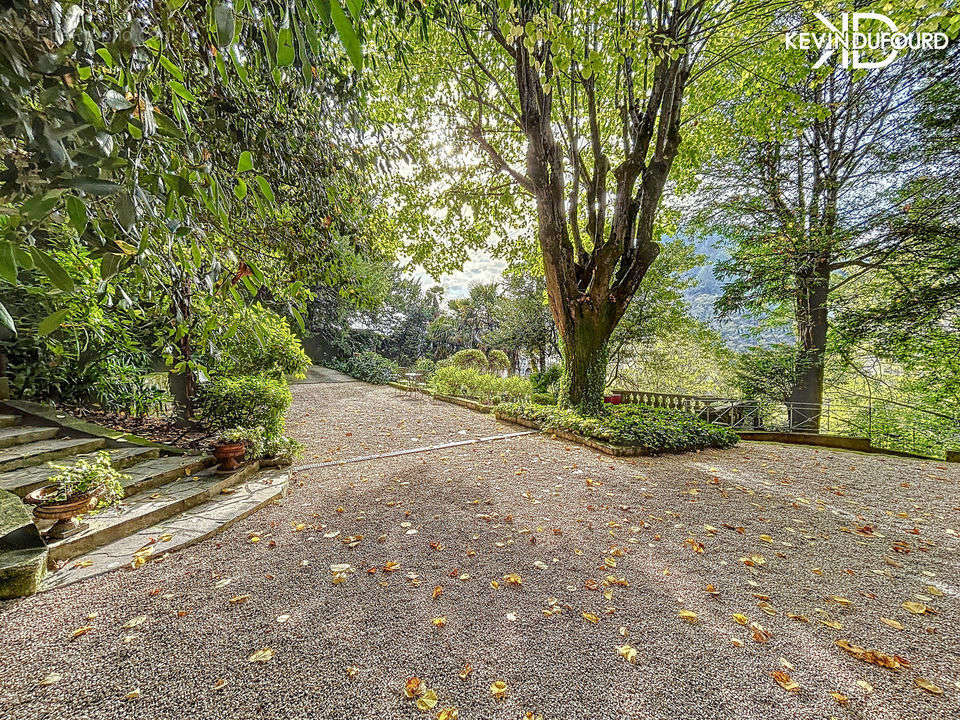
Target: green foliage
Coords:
[(258, 341), (372, 368), (84, 475), (245, 401), (252, 437), (426, 366), (546, 381), (473, 359), (767, 373), (471, 383), (498, 361), (543, 398), (283, 449), (655, 430)]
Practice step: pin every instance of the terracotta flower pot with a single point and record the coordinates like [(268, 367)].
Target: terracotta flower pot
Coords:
[(64, 512), (227, 454)]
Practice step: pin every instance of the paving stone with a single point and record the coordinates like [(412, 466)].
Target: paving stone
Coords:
[(177, 532), (8, 420), (42, 451)]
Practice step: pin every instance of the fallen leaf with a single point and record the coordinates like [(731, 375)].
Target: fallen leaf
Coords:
[(892, 623), (437, 591), (220, 683), (467, 669), (590, 617), (439, 621), (498, 688), (261, 656), (841, 699), (917, 608), (132, 695), (413, 687), (688, 616), (741, 619), (351, 671), (51, 679), (893, 662), (628, 653), (428, 700), (785, 681), (239, 599), (82, 630), (135, 621), (450, 713), (928, 686)]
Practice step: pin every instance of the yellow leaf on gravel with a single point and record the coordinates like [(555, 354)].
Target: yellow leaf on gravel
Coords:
[(513, 579), (688, 616), (498, 688), (428, 700), (135, 621), (450, 713), (238, 599), (439, 621), (82, 630), (51, 679), (219, 684), (831, 624), (892, 623), (917, 608), (590, 617), (261, 656), (928, 686), (741, 619), (437, 591), (132, 695), (893, 662), (467, 669), (865, 686), (785, 681), (628, 653), (841, 699)]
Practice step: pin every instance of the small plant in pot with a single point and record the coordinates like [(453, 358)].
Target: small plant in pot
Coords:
[(75, 490), (281, 451), (234, 443)]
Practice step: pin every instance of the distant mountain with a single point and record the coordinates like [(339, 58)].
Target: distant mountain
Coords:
[(739, 331)]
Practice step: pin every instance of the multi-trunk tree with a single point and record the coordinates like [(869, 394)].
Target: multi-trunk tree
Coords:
[(582, 105)]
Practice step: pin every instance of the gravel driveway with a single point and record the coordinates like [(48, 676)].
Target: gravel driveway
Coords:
[(590, 554)]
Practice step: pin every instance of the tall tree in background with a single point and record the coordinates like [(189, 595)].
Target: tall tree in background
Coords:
[(592, 96), (809, 201)]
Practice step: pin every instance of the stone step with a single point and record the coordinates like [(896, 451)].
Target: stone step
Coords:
[(154, 473), (10, 420), (21, 572), (23, 434), (37, 453), (177, 532), (26, 480), (144, 509)]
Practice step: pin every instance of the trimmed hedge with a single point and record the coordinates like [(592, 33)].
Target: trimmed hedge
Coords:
[(469, 383), (372, 368), (654, 429), (244, 401)]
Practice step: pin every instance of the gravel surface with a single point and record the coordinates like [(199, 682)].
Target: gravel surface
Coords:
[(836, 537)]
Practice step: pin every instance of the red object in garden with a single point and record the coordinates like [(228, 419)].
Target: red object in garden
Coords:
[(614, 399), (227, 455)]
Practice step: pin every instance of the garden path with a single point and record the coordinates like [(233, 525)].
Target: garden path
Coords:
[(542, 558)]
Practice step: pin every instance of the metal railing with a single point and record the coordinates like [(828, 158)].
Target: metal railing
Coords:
[(887, 424)]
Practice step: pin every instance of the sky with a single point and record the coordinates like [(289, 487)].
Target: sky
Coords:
[(481, 267)]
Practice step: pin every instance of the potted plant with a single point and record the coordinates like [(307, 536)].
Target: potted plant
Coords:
[(281, 451), (234, 443), (74, 491)]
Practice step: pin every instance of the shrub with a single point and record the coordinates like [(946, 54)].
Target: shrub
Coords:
[(244, 401), (498, 361), (544, 382), (371, 367), (469, 383), (469, 359), (655, 430), (542, 398), (259, 341)]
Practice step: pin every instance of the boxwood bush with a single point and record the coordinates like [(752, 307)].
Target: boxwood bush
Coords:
[(372, 368), (258, 341), (246, 401), (654, 429)]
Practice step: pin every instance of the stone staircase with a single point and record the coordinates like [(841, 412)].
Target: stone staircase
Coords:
[(171, 500)]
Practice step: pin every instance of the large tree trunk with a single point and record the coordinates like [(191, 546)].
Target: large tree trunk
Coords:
[(811, 312), (584, 352)]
